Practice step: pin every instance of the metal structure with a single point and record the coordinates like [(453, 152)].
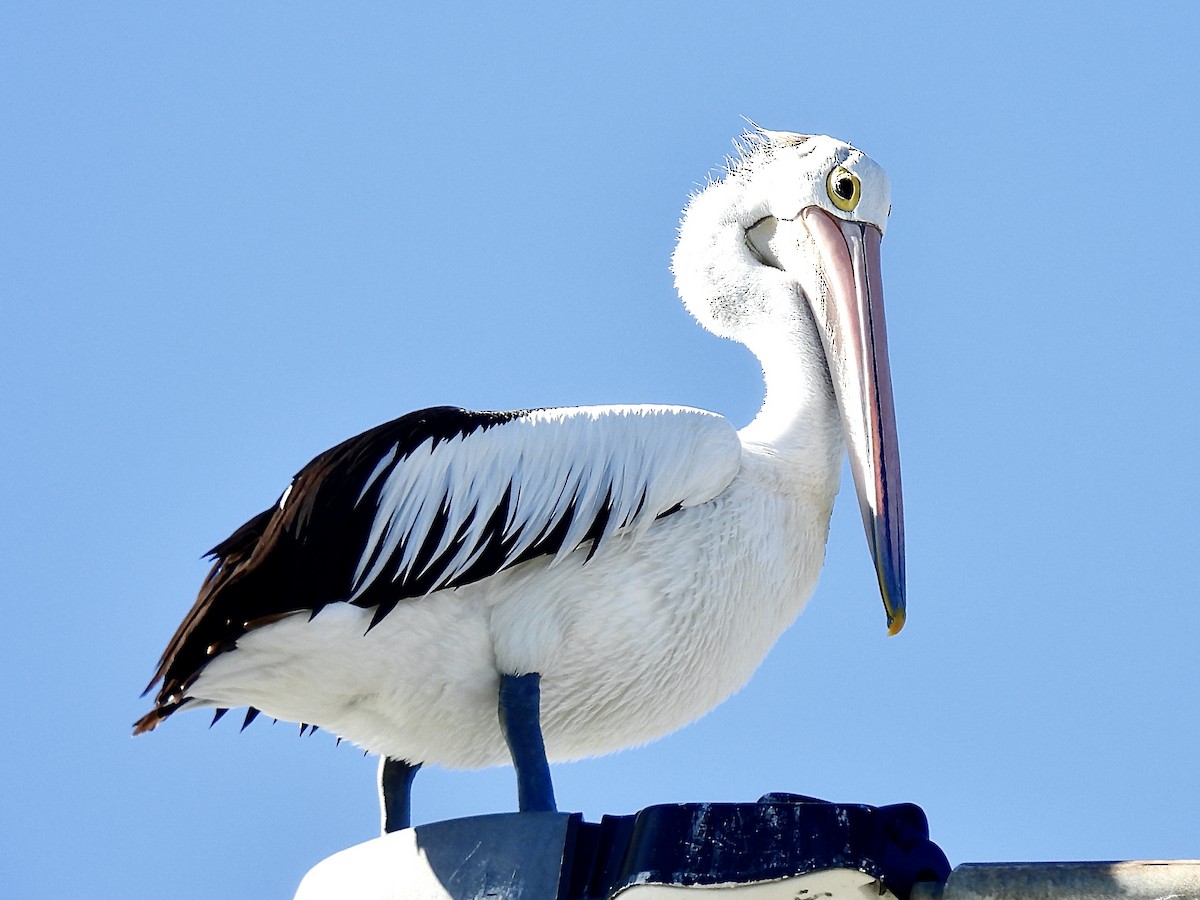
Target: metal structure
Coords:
[(785, 846), (1177, 879)]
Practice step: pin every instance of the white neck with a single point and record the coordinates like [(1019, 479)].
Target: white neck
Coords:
[(798, 424), (733, 294)]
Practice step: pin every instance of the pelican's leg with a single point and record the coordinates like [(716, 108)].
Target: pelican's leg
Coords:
[(395, 793), (521, 724)]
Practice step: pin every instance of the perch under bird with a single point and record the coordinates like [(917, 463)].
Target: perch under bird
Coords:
[(465, 588)]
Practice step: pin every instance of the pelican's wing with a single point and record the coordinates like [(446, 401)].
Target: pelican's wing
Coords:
[(444, 497), (449, 511)]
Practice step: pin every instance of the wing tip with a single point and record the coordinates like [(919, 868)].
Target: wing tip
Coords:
[(151, 720)]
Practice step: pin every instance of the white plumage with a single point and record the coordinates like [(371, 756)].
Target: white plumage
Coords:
[(642, 559), (639, 640), (643, 460)]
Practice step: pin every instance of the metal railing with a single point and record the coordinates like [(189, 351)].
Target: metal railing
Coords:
[(1136, 880)]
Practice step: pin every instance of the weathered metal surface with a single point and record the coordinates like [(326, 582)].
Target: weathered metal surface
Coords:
[(1136, 880), (784, 847), (516, 856), (781, 836), (828, 884)]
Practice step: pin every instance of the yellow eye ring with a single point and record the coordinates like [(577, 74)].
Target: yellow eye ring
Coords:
[(844, 188)]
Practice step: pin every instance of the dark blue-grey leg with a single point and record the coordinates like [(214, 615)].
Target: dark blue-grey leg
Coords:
[(521, 723), (395, 793)]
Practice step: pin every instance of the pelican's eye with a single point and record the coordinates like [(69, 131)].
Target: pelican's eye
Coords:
[(844, 188)]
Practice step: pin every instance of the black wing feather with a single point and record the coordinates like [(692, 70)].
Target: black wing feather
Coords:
[(301, 557)]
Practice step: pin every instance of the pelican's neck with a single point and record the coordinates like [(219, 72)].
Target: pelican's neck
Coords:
[(734, 294), (798, 426)]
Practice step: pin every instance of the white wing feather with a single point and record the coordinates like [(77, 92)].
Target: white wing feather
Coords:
[(638, 461)]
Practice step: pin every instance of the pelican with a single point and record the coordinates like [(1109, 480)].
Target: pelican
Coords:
[(469, 588)]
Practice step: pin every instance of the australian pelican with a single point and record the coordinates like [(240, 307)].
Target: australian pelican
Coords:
[(465, 588)]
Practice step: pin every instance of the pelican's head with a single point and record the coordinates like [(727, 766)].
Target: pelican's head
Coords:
[(786, 243)]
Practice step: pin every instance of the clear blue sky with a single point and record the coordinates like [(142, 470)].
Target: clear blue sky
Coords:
[(235, 233)]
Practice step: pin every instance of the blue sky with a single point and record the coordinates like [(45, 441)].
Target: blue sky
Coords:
[(234, 234)]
